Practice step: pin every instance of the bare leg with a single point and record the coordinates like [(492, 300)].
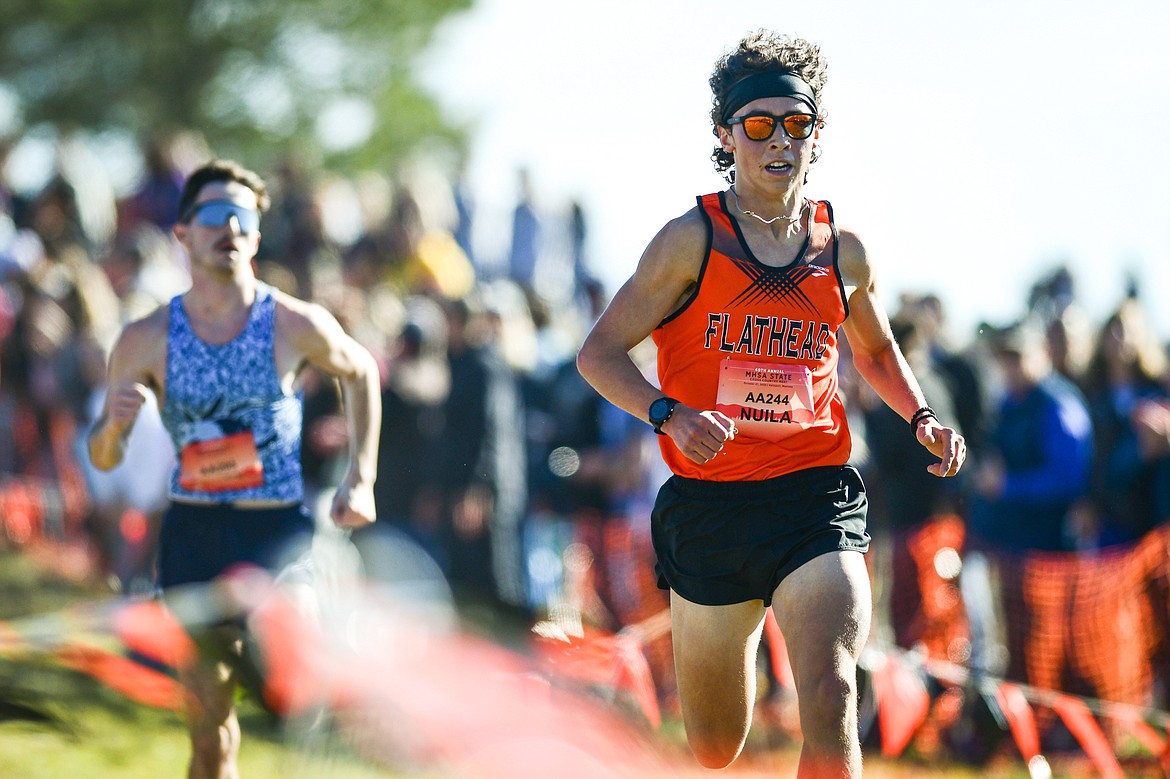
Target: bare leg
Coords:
[(715, 664), (824, 609), (211, 713)]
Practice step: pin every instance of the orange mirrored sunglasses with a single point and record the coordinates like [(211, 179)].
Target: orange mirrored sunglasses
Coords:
[(761, 126)]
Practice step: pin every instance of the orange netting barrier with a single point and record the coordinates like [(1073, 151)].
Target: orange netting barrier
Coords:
[(44, 519), (50, 499), (940, 625), (1090, 624), (1087, 636), (43, 509)]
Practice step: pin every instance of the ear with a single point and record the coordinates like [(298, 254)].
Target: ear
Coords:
[(179, 230), (726, 139)]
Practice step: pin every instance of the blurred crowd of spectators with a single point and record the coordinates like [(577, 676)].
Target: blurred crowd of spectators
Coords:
[(1068, 429), (494, 452), (529, 491)]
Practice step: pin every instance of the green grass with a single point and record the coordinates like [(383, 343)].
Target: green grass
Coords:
[(55, 722), (25, 590), (95, 733)]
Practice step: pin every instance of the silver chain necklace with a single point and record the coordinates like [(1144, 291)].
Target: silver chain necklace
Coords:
[(754, 215)]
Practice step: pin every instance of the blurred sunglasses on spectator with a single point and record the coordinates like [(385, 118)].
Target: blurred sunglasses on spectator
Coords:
[(216, 213)]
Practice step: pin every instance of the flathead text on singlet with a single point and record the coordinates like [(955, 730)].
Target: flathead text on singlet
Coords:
[(770, 336)]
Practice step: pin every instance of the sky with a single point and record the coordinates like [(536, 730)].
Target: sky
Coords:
[(974, 147)]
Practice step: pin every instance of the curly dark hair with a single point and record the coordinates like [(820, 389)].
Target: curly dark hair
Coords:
[(222, 170), (762, 51)]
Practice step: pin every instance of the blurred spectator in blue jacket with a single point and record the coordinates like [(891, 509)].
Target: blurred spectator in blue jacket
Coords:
[(1039, 457), (1126, 388)]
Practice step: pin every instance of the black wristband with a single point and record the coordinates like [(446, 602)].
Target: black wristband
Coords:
[(926, 412)]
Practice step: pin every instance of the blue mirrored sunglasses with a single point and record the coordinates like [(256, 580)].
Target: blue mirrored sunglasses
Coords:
[(216, 213)]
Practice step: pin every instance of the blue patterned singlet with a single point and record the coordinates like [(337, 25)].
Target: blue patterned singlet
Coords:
[(218, 392)]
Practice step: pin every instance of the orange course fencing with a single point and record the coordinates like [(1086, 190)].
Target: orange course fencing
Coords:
[(1088, 638)]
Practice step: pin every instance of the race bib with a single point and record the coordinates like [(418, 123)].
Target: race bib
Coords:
[(766, 400), (221, 464)]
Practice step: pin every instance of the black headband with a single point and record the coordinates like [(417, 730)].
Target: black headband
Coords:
[(770, 84)]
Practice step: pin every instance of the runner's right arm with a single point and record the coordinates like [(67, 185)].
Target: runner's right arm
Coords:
[(665, 275), (129, 378)]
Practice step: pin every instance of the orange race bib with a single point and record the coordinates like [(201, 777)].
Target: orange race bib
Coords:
[(221, 464), (771, 401)]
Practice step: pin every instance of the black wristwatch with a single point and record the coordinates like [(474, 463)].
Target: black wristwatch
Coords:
[(660, 411)]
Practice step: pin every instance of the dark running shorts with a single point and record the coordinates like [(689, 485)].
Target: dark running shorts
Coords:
[(720, 543), (198, 543)]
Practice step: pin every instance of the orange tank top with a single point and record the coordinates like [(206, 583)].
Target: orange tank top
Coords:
[(759, 343)]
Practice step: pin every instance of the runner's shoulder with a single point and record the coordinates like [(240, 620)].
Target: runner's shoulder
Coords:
[(681, 243), (150, 329)]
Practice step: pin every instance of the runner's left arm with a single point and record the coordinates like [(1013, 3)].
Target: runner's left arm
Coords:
[(880, 362), (319, 337)]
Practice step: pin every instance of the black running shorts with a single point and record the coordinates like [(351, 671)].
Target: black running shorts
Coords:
[(720, 543), (199, 543)]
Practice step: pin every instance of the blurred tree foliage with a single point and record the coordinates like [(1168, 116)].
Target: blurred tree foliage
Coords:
[(257, 78)]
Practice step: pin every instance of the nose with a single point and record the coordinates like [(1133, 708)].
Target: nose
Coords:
[(780, 139), (233, 223)]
